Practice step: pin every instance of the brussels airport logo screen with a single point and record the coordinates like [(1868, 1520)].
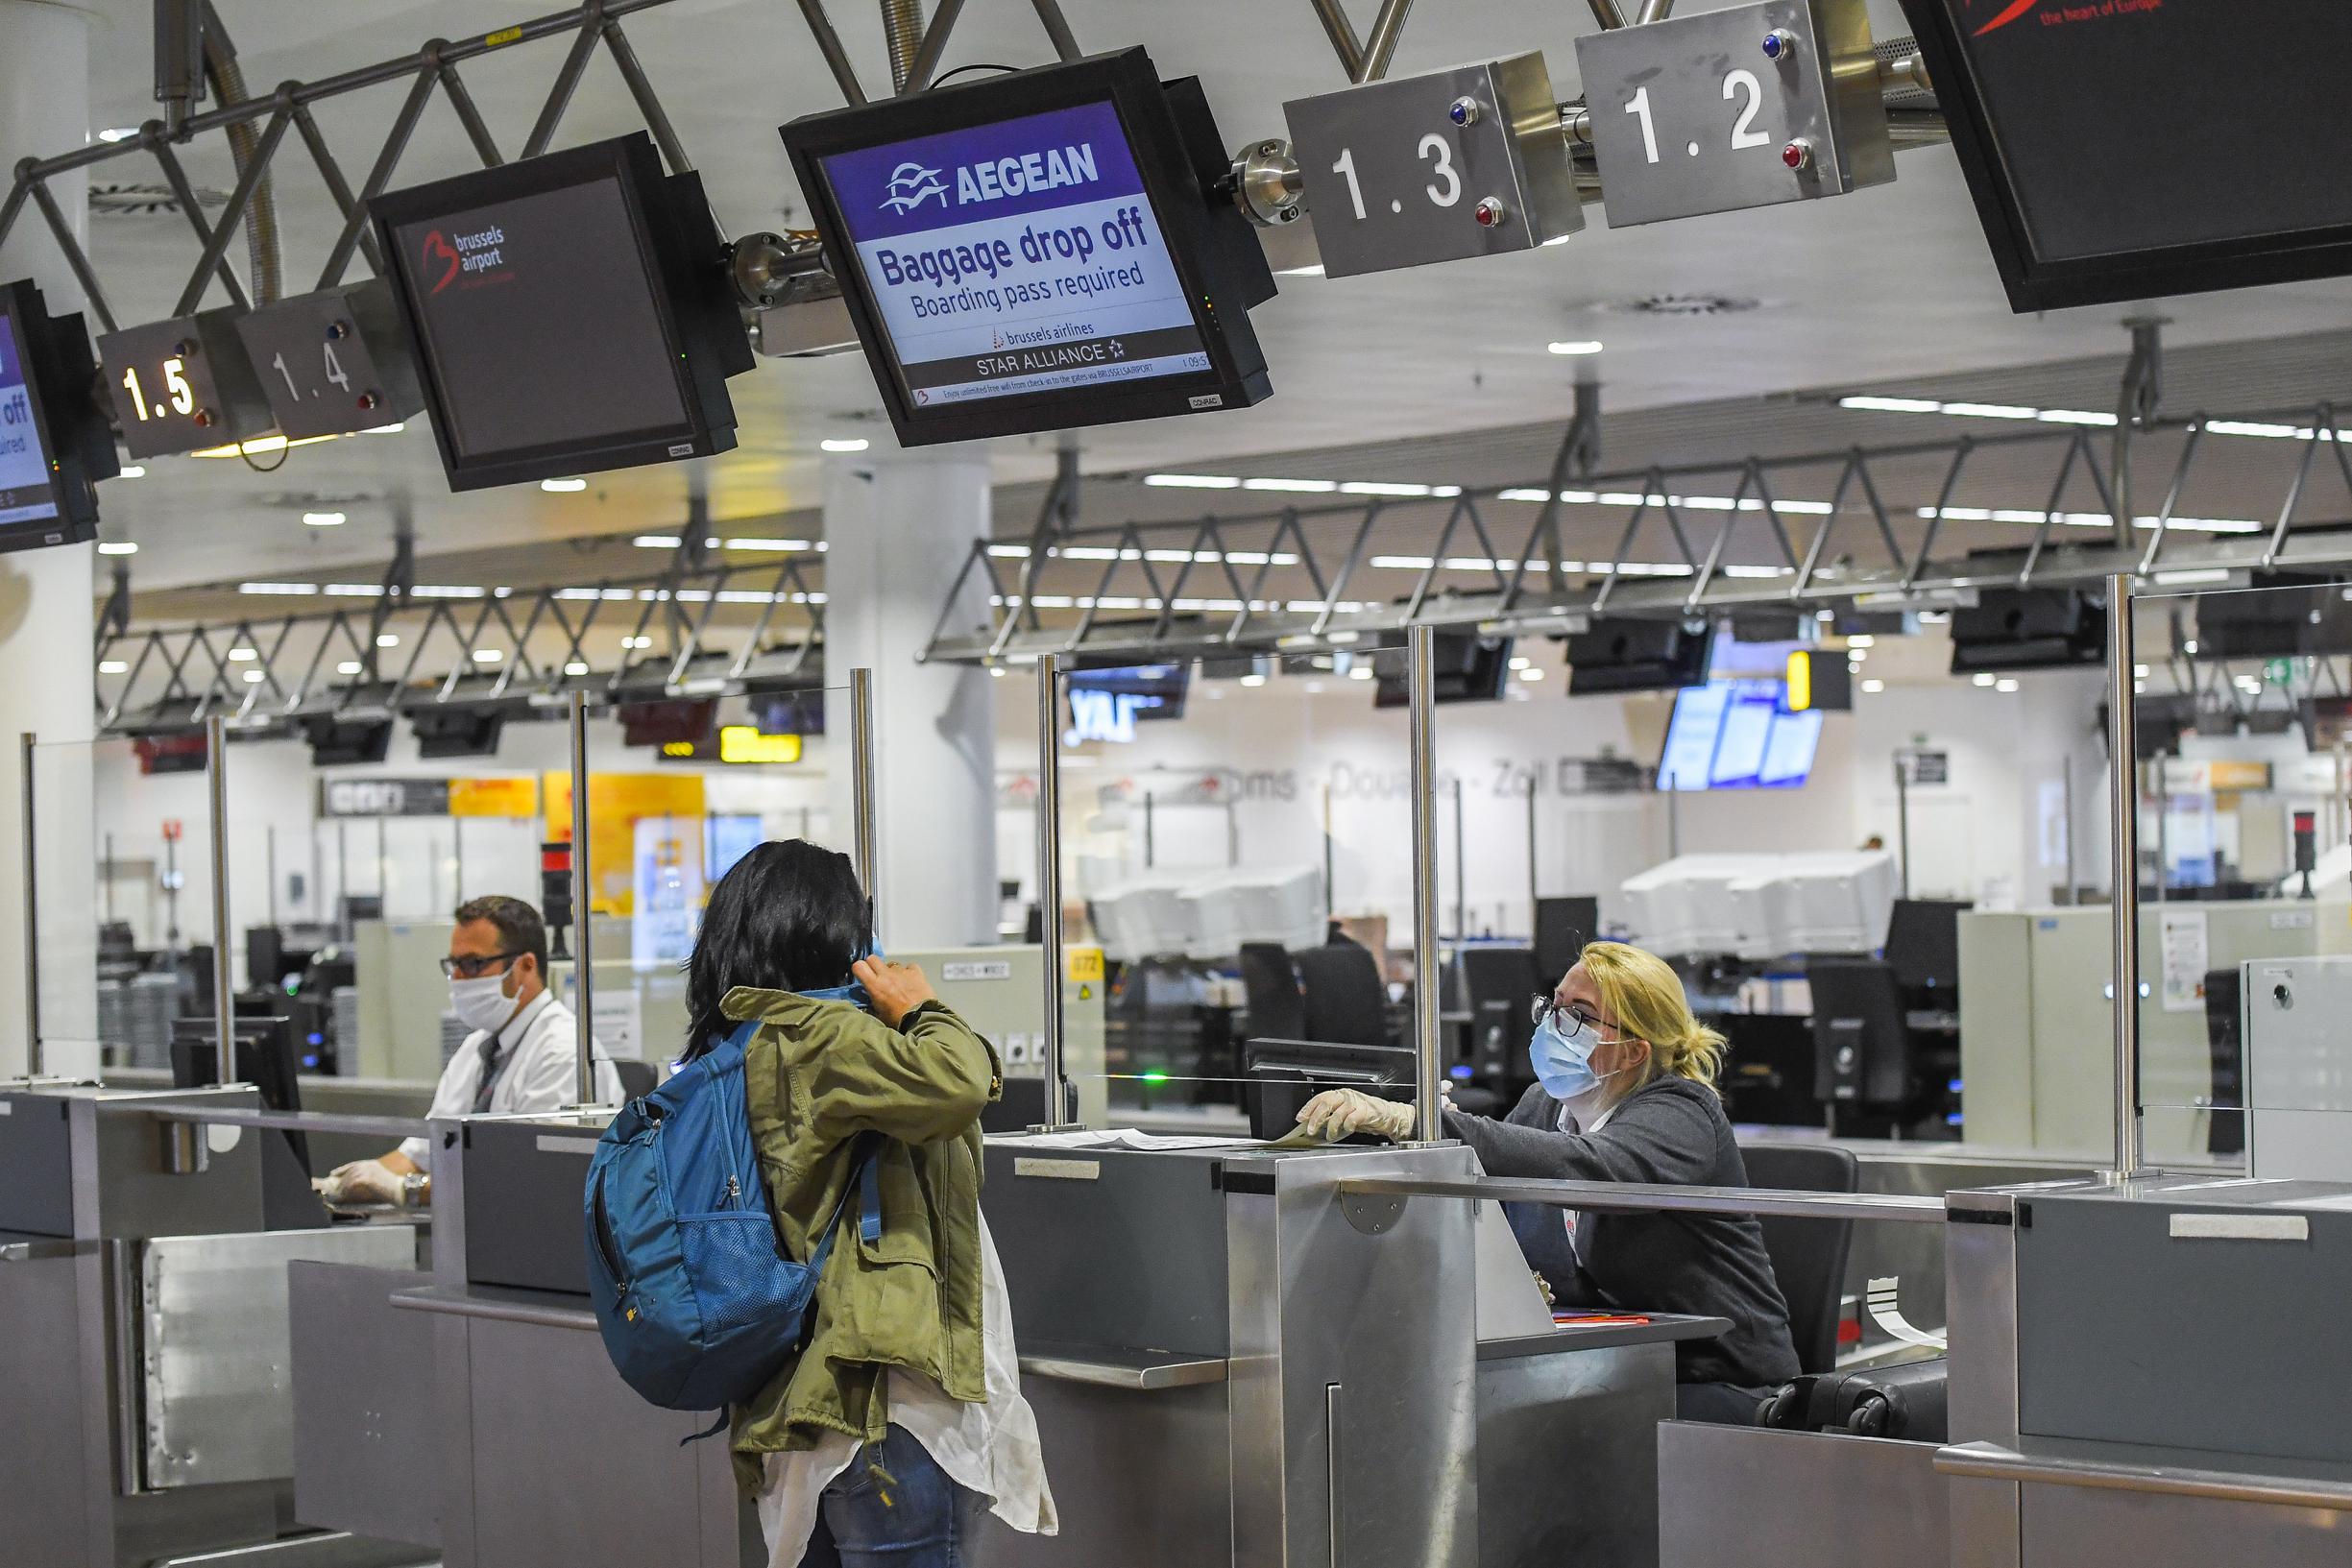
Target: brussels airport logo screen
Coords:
[(475, 255), (1017, 258)]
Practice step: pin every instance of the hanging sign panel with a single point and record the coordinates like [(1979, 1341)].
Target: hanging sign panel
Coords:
[(1445, 167), (333, 363), (1750, 107)]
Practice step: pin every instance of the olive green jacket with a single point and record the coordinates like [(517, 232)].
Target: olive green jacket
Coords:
[(817, 1074)]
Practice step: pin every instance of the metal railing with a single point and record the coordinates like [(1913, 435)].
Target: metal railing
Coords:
[(1820, 523), (1640, 1198)]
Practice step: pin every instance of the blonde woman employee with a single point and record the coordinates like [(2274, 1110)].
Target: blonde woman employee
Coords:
[(1626, 1091)]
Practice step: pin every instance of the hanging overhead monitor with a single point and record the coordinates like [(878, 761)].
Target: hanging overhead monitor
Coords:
[(53, 442), (1038, 250), (1739, 735), (571, 314), (2068, 119)]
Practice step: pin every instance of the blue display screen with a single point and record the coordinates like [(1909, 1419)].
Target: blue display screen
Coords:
[(1737, 735), (1020, 256), (27, 493)]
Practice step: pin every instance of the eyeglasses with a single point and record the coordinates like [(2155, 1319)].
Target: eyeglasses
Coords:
[(474, 965), (1545, 1006)]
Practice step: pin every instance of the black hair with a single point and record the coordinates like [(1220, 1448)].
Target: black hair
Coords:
[(519, 929), (789, 916)]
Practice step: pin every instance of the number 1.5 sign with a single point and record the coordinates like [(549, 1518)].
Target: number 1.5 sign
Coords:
[(1757, 105), (1460, 163)]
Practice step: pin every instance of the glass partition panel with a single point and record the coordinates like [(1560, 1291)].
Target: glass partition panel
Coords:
[(668, 814), (123, 917), (2241, 702), (1236, 867)]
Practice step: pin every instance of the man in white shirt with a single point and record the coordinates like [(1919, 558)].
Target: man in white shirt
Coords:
[(522, 1056)]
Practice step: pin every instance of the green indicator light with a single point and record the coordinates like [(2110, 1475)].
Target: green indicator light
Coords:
[(1156, 1077)]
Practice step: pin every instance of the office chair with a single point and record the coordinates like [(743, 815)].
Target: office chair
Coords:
[(1346, 1001), (1808, 1256), (2226, 1126), (1270, 985), (1498, 983)]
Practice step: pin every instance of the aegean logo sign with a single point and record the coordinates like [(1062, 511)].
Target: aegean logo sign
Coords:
[(911, 185)]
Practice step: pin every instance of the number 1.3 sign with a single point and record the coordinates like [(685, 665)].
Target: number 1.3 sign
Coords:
[(1750, 107), (1460, 163)]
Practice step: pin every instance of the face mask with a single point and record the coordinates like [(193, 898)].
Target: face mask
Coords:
[(482, 1003), (1564, 1062)]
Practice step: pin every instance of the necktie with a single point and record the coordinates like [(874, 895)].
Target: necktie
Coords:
[(489, 1074)]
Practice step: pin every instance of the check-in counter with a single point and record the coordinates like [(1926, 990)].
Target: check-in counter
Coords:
[(145, 1353), (487, 1391), (1232, 1364)]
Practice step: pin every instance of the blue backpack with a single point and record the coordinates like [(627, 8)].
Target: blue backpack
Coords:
[(697, 1304)]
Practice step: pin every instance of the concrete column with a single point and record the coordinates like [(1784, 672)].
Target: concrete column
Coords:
[(46, 597), (897, 529)]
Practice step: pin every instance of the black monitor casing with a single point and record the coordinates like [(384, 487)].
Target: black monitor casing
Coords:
[(61, 374), (686, 261), (1180, 156)]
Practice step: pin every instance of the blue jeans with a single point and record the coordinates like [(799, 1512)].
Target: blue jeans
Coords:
[(917, 1518)]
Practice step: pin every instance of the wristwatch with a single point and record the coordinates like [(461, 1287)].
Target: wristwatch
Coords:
[(416, 1190)]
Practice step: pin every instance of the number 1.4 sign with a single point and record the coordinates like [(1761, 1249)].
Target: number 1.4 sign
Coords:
[(332, 362), (1757, 105), (1460, 163)]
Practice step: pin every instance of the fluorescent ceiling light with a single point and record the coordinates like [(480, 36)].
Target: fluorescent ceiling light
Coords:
[(132, 470), (291, 588), (563, 487), (354, 591), (2190, 647), (1404, 562), (2249, 428), (1520, 494), (118, 547), (637, 643), (2075, 416), (1313, 268), (243, 655), (2004, 685), (121, 132), (1862, 640), (575, 667), (1983, 680), (843, 443), (325, 519), (656, 541), (1531, 674), (445, 591), (1988, 411), (113, 667), (349, 667), (255, 677), (1360, 672), (1578, 346), (2184, 578), (1377, 487), (1890, 405), (1251, 679), (1313, 487), (768, 545), (387, 639), (1520, 661), (1874, 687), (1192, 481), (487, 656)]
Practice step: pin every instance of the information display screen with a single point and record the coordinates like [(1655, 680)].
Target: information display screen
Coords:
[(1737, 735), (558, 312), (1021, 256), (27, 493), (2065, 114), (1032, 251)]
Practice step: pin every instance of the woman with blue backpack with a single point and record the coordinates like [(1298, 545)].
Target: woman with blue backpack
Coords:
[(876, 1417)]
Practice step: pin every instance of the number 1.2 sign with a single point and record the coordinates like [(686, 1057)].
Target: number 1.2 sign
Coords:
[(1460, 163), (1757, 105)]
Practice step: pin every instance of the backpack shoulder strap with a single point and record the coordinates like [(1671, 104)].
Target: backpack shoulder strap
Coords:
[(865, 1180)]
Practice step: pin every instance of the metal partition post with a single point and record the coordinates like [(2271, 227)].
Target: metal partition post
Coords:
[(2124, 855), (584, 1082), (224, 992), (861, 778), (32, 950), (1902, 822), (1534, 882), (1428, 1121), (1049, 877)]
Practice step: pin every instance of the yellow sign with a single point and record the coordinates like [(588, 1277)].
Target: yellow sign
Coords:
[(615, 802), (747, 744), (493, 797), (1800, 681), (1085, 963)]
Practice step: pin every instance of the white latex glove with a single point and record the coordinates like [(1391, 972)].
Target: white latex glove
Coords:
[(362, 1181), (1340, 1113)]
